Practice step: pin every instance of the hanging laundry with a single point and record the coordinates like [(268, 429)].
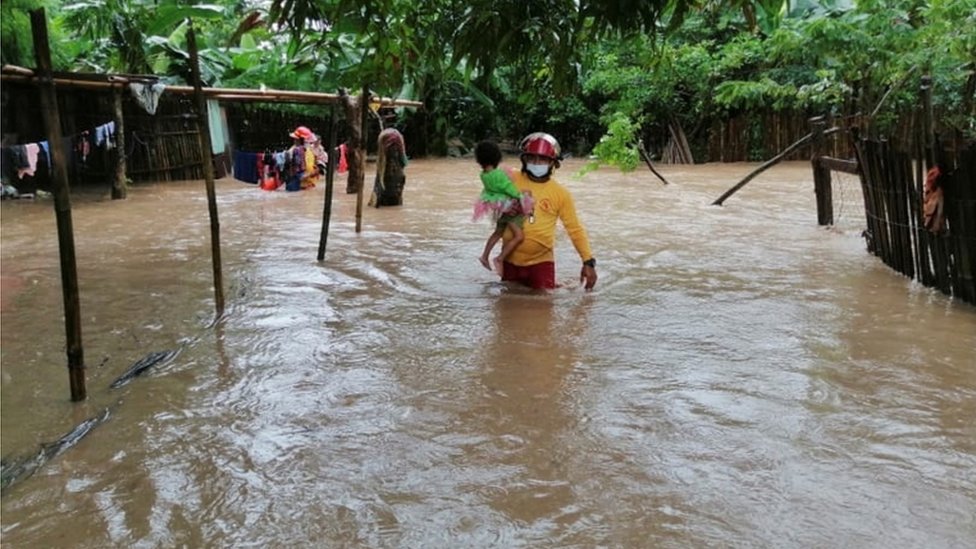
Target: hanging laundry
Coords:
[(47, 153), (218, 133), (343, 166), (147, 96), (31, 151), (245, 166), (83, 146), (18, 159), (105, 135)]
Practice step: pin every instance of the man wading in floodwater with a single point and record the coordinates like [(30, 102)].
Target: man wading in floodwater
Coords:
[(532, 263)]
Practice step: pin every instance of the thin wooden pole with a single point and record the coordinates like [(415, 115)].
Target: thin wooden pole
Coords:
[(62, 209), (861, 152), (119, 187), (329, 180), (364, 105), (203, 125), (805, 140)]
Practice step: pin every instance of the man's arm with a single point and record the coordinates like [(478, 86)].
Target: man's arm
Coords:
[(581, 241), (575, 230)]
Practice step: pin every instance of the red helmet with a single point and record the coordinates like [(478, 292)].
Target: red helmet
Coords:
[(542, 144)]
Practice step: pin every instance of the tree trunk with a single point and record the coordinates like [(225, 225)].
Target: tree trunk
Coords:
[(355, 150), (680, 142), (119, 186)]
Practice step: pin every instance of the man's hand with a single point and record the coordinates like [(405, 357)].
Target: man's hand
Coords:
[(588, 274)]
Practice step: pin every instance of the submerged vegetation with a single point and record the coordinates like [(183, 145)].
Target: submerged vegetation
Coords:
[(598, 76)]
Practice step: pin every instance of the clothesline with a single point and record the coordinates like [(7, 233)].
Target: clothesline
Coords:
[(21, 159)]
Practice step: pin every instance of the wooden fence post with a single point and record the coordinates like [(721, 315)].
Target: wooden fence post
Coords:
[(203, 125), (821, 174), (937, 244), (928, 122), (62, 208), (364, 113), (329, 181)]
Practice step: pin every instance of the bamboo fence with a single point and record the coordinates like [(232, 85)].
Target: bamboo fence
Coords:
[(892, 187), (758, 136)]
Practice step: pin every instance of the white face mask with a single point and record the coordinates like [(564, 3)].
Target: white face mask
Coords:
[(538, 170)]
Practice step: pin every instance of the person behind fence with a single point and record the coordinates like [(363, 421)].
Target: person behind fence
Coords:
[(532, 263), (311, 175), (507, 206), (391, 159), (318, 152), (295, 159)]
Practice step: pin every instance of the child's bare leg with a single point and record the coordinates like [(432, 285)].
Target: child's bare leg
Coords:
[(492, 240), (517, 237)]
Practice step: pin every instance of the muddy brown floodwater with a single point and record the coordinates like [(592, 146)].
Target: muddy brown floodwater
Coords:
[(740, 377)]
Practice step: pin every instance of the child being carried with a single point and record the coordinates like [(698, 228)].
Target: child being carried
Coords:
[(502, 200)]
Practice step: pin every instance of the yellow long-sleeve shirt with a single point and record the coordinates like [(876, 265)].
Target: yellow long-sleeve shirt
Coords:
[(552, 202)]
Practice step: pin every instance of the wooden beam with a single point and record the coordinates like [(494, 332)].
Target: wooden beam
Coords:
[(840, 165), (83, 80)]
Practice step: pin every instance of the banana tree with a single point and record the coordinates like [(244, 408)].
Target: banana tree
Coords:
[(134, 36)]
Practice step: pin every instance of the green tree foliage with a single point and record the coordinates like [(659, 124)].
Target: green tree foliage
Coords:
[(862, 59), (15, 34), (15, 25), (847, 61), (506, 51), (135, 36), (618, 147), (507, 67)]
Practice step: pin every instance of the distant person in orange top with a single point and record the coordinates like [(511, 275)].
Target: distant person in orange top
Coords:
[(532, 263), (295, 159)]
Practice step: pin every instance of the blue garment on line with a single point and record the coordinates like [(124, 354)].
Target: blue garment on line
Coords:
[(104, 134), (246, 166), (47, 153)]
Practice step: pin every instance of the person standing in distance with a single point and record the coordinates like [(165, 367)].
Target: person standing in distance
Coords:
[(532, 263)]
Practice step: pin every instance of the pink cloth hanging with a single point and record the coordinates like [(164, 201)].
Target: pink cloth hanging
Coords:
[(32, 150)]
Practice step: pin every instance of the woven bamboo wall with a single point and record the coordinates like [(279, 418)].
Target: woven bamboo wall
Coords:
[(893, 188)]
